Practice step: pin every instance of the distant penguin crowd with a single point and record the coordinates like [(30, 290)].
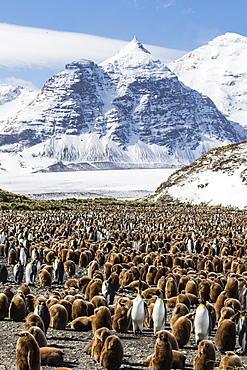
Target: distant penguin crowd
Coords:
[(176, 273)]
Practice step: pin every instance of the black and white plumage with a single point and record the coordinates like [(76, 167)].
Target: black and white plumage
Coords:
[(58, 270), (242, 332), (3, 274), (243, 298), (42, 310), (138, 311), (18, 273), (31, 272), (23, 256), (108, 291), (197, 246), (201, 322), (190, 245), (6, 248), (34, 254), (159, 314)]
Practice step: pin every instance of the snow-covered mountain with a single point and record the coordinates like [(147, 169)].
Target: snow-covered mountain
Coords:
[(219, 70), (13, 99), (130, 111), (217, 178)]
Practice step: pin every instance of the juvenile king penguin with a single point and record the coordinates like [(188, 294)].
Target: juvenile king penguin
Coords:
[(162, 357), (27, 352), (205, 357), (31, 272), (159, 314), (201, 322), (138, 311), (112, 353), (108, 291)]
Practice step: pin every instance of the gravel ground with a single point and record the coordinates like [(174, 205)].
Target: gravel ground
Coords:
[(72, 343)]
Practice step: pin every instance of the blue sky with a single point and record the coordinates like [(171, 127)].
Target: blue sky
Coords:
[(178, 24), (35, 55)]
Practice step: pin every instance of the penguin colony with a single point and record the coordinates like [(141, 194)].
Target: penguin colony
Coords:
[(173, 276)]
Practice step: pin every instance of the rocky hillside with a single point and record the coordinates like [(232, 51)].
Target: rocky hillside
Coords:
[(216, 178)]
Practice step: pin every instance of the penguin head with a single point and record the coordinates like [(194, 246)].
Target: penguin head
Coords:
[(161, 294), (203, 302), (139, 288), (162, 336), (23, 334)]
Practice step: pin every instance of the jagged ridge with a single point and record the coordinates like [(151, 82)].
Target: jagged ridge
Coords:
[(130, 109)]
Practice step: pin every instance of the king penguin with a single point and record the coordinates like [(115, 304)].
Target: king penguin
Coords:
[(243, 298), (42, 310), (58, 270), (108, 291), (159, 314), (18, 273), (242, 332), (138, 311), (201, 322), (3, 274), (31, 272), (23, 256), (27, 352)]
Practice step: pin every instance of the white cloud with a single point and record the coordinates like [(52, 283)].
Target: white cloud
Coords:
[(169, 4), (34, 48), (188, 11), (18, 82)]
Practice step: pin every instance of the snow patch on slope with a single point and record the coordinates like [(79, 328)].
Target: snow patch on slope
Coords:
[(213, 189), (217, 178)]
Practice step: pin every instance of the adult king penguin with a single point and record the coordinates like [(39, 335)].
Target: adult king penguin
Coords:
[(243, 298), (201, 322), (31, 272), (3, 274), (23, 256), (242, 332), (159, 314), (18, 273), (58, 270), (42, 310), (108, 291), (138, 311)]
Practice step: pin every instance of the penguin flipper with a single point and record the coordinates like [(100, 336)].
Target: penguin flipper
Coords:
[(242, 331), (145, 308), (129, 313), (30, 359)]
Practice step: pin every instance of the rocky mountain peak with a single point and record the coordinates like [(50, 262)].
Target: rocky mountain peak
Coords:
[(80, 64), (219, 71), (8, 93), (130, 110), (133, 56)]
